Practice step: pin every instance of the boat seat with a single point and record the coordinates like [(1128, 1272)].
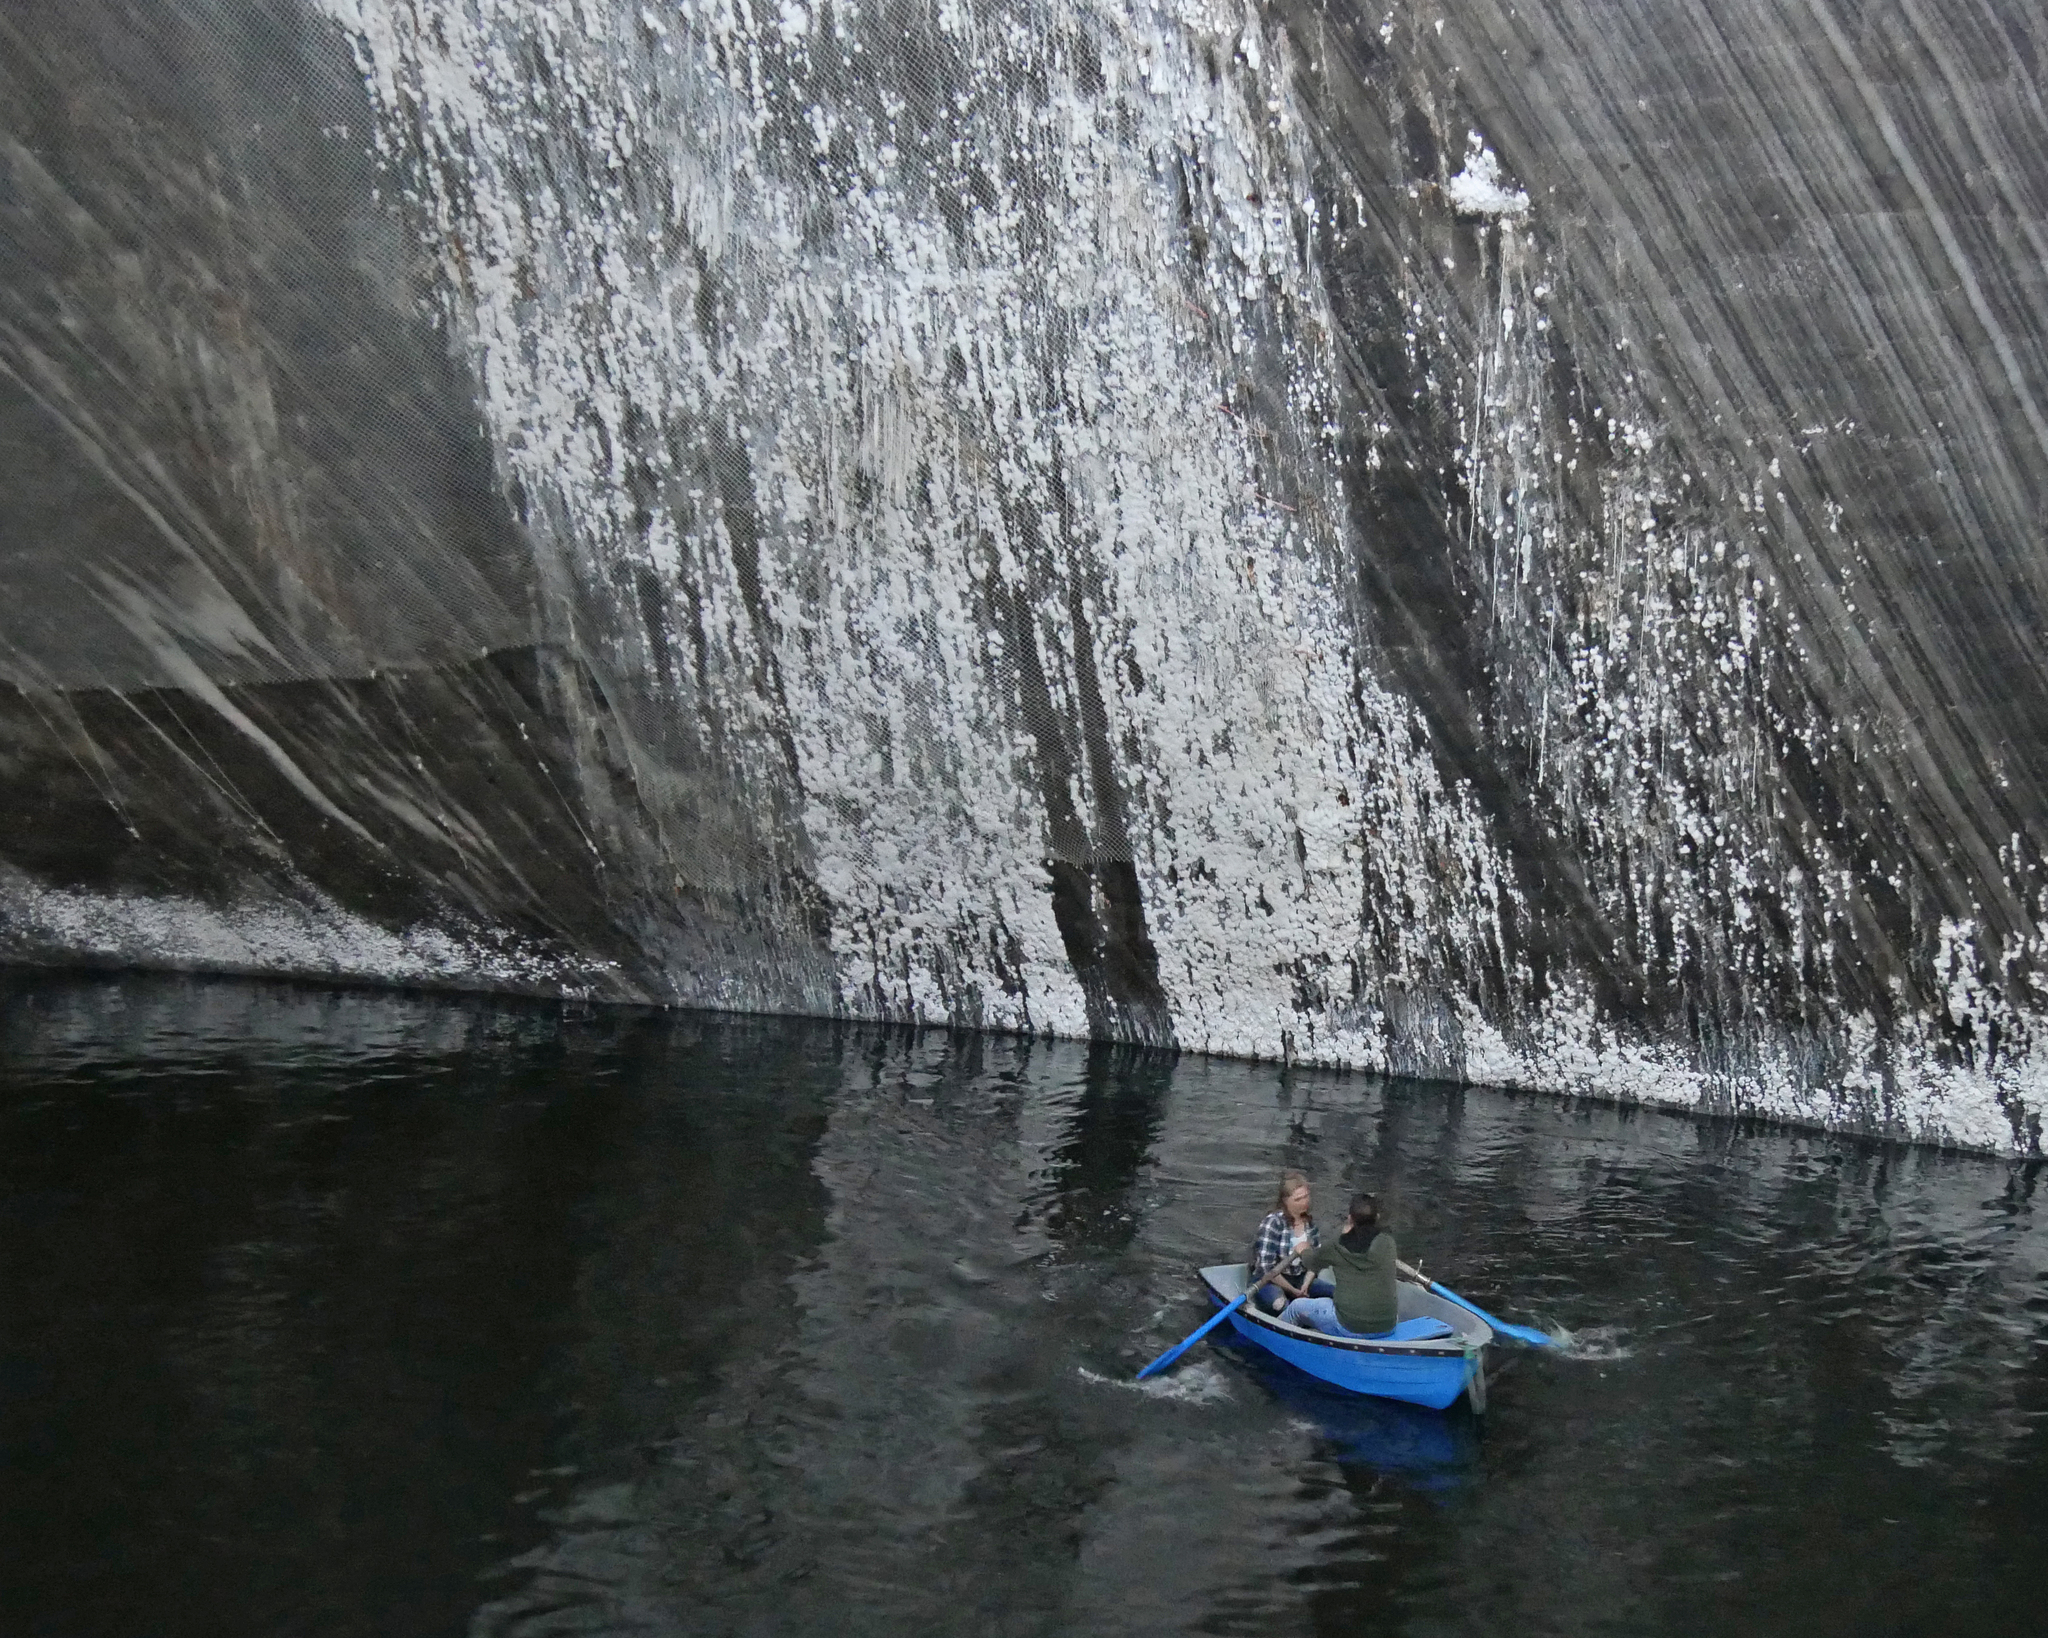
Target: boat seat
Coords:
[(1421, 1329)]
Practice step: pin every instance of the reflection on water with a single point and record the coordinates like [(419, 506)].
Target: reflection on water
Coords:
[(354, 1313), (1378, 1435)]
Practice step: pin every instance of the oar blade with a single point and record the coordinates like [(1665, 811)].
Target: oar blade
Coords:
[(1521, 1333), (1166, 1359)]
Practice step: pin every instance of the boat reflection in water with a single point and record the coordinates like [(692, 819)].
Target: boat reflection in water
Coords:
[(1428, 1449)]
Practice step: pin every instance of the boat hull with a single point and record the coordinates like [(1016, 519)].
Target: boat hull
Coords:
[(1433, 1374)]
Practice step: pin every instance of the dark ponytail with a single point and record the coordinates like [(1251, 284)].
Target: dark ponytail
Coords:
[(1365, 1224)]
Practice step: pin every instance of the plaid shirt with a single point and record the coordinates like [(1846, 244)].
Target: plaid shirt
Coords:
[(1274, 1237)]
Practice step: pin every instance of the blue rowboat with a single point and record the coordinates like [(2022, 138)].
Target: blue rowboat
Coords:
[(1421, 1370)]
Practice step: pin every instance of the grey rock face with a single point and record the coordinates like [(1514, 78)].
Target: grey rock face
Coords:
[(1499, 543)]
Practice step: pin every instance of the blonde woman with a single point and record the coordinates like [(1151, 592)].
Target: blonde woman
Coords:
[(1288, 1227)]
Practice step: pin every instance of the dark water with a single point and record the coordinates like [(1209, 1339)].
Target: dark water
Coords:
[(356, 1313)]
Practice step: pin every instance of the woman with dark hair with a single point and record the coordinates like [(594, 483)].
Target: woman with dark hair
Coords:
[(1363, 1260), (1288, 1225)]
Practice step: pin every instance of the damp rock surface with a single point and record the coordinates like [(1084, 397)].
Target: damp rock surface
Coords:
[(1490, 542)]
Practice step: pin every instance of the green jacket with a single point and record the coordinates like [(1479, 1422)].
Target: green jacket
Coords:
[(1366, 1300)]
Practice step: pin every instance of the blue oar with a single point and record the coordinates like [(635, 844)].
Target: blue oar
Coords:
[(1521, 1333), (1212, 1322)]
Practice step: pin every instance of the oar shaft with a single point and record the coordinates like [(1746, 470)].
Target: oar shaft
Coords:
[(1214, 1320), (1525, 1333)]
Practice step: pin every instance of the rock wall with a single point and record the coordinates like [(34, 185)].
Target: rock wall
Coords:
[(1482, 541)]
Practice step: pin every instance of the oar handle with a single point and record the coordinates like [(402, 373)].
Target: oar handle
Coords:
[(1299, 1250)]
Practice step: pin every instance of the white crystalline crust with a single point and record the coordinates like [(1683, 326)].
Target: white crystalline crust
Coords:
[(907, 389), (311, 940), (1478, 189)]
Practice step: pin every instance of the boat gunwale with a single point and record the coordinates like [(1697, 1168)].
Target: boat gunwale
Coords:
[(1454, 1347)]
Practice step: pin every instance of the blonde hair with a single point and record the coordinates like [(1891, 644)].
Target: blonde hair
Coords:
[(1289, 1182)]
